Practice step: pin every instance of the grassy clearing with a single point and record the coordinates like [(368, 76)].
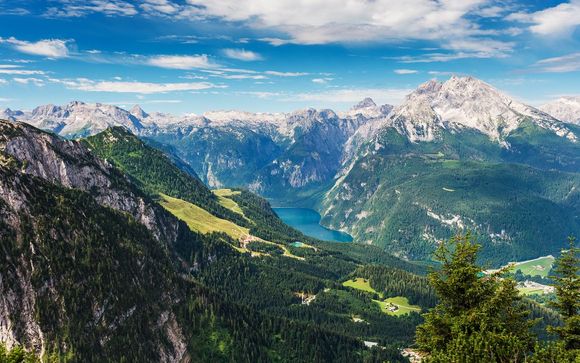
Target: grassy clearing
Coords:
[(199, 220), (537, 267), (360, 284), (226, 202), (530, 291), (402, 304), (451, 164)]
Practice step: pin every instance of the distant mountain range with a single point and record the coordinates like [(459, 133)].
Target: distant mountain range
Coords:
[(566, 109), (399, 177)]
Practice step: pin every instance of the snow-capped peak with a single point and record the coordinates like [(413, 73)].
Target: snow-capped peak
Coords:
[(565, 109), (465, 102), (138, 112), (366, 103), (78, 118), (367, 108)]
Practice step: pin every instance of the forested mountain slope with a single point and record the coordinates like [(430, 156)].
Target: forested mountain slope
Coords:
[(456, 156), (87, 272)]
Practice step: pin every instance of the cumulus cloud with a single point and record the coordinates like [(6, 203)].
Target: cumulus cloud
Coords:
[(323, 21), (242, 54), (181, 62), (327, 21), (83, 84), (558, 20), (51, 48)]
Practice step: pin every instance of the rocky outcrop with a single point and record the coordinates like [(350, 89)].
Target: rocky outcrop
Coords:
[(70, 164), (73, 257)]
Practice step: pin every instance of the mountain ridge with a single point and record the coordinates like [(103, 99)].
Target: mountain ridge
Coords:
[(84, 276)]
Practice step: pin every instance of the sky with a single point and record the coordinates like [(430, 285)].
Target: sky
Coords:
[(192, 56)]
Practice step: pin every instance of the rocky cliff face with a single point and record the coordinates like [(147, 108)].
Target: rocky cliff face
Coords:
[(315, 154), (70, 164), (85, 261)]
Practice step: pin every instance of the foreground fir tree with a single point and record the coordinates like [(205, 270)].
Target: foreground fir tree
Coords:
[(567, 285), (480, 318)]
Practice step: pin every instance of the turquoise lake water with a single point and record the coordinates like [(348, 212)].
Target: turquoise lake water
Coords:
[(307, 221)]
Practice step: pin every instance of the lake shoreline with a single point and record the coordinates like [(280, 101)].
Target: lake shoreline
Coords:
[(307, 221)]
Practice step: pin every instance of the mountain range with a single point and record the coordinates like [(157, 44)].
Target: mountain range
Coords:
[(135, 236), (393, 176), (566, 109), (108, 245)]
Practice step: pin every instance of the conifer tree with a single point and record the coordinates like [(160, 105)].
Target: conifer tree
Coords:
[(480, 318), (567, 285)]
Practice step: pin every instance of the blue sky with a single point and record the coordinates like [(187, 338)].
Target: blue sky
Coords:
[(185, 56)]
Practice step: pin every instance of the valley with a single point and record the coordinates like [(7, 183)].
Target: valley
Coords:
[(179, 210), (456, 155), (312, 181)]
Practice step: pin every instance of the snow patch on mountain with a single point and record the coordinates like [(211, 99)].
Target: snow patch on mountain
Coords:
[(465, 102), (565, 109)]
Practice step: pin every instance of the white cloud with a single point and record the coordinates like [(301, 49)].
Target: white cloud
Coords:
[(35, 81), (563, 64), (405, 71), (241, 76), (242, 54), (160, 6), (83, 84), (322, 80), (286, 74), (13, 11), (350, 96), (3, 81), (262, 95), (20, 72), (275, 41), (79, 8), (558, 20), (51, 48), (328, 21), (181, 61)]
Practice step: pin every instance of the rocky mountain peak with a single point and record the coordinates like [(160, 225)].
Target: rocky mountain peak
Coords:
[(429, 87), (365, 103), (74, 104), (45, 110), (138, 112), (465, 102)]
